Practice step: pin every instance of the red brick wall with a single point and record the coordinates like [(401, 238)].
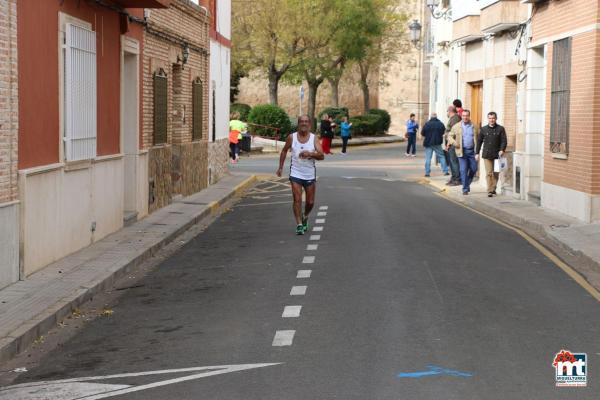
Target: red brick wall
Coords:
[(188, 23), (9, 123), (581, 170)]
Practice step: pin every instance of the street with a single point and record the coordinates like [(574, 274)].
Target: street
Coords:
[(394, 293)]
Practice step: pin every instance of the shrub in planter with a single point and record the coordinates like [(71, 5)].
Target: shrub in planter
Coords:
[(366, 125), (385, 118), (269, 115), (243, 109)]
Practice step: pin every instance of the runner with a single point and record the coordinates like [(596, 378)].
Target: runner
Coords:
[(303, 170)]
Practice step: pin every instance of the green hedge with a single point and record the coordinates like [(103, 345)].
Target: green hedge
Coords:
[(366, 125), (243, 109), (385, 119), (269, 115)]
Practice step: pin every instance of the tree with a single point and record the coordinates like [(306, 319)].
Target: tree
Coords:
[(266, 36), (387, 47)]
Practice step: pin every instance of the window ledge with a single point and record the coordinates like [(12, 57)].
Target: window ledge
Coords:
[(77, 165), (560, 156)]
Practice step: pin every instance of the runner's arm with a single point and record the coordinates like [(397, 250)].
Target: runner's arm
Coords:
[(283, 155), (318, 154)]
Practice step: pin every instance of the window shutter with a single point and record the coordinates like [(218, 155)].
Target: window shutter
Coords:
[(560, 96), (197, 108), (80, 93), (160, 107)]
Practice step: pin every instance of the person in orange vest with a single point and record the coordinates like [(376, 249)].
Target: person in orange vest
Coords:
[(236, 127)]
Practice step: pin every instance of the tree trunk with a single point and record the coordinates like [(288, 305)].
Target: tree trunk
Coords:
[(364, 85), (273, 87), (335, 90), (313, 86)]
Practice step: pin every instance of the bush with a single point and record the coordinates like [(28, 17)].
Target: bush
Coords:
[(366, 125), (293, 124), (269, 115), (385, 119), (243, 109)]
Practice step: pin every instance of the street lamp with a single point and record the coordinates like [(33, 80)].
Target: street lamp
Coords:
[(437, 14), (415, 34)]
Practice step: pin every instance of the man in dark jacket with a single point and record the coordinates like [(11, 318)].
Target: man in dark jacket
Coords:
[(451, 158), (433, 134), (493, 139)]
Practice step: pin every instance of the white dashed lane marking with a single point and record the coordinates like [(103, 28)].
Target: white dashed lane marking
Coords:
[(298, 290), (315, 237), (318, 229), (323, 207), (304, 273), (322, 214), (283, 338), (308, 260), (320, 221), (291, 312), (312, 247)]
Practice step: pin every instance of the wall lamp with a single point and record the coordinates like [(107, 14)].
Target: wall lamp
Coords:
[(436, 13)]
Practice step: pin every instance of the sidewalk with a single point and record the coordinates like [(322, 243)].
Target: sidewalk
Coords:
[(575, 242), (32, 307), (273, 146)]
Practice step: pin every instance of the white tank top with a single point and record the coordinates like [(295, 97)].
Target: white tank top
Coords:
[(303, 168)]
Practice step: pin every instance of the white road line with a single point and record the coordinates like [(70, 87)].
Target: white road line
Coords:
[(323, 207), (318, 229), (312, 247), (304, 273), (283, 338), (322, 214), (298, 290), (291, 312), (320, 221), (308, 260), (315, 237)]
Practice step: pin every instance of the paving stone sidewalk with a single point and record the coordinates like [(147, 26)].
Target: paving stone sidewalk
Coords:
[(30, 308), (576, 242)]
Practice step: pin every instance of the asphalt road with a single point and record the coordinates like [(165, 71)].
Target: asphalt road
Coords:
[(409, 297)]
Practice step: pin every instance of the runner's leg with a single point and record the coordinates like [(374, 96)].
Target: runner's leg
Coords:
[(297, 194), (310, 199)]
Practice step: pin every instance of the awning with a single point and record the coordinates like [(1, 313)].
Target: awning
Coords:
[(144, 3)]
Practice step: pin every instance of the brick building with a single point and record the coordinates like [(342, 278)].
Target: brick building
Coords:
[(81, 168), (175, 101), (9, 123), (565, 37)]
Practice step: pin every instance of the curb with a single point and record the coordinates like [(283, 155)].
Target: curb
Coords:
[(27, 333), (581, 263)]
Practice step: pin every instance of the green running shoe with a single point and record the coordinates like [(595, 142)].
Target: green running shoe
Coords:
[(300, 230), (305, 223)]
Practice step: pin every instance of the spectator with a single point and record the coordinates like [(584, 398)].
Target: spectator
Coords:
[(236, 127), (411, 135), (463, 137), (458, 104), (345, 133), (326, 133), (433, 134), (451, 158), (493, 139)]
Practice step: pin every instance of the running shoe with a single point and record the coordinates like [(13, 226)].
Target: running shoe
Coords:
[(305, 223), (300, 230)]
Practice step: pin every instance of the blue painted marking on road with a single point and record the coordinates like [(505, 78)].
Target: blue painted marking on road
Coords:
[(435, 370)]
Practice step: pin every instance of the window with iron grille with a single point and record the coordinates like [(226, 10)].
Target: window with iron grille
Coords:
[(80, 93), (197, 108), (160, 107), (560, 93)]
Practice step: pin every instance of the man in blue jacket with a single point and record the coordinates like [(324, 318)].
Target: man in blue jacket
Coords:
[(412, 127), (433, 134)]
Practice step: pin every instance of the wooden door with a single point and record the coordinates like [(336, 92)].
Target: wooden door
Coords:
[(476, 102)]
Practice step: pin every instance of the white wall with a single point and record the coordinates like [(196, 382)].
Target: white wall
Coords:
[(9, 243), (59, 207), (220, 57), (462, 8)]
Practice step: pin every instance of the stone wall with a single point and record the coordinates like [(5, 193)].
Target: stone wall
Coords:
[(159, 177), (190, 167), (218, 157)]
